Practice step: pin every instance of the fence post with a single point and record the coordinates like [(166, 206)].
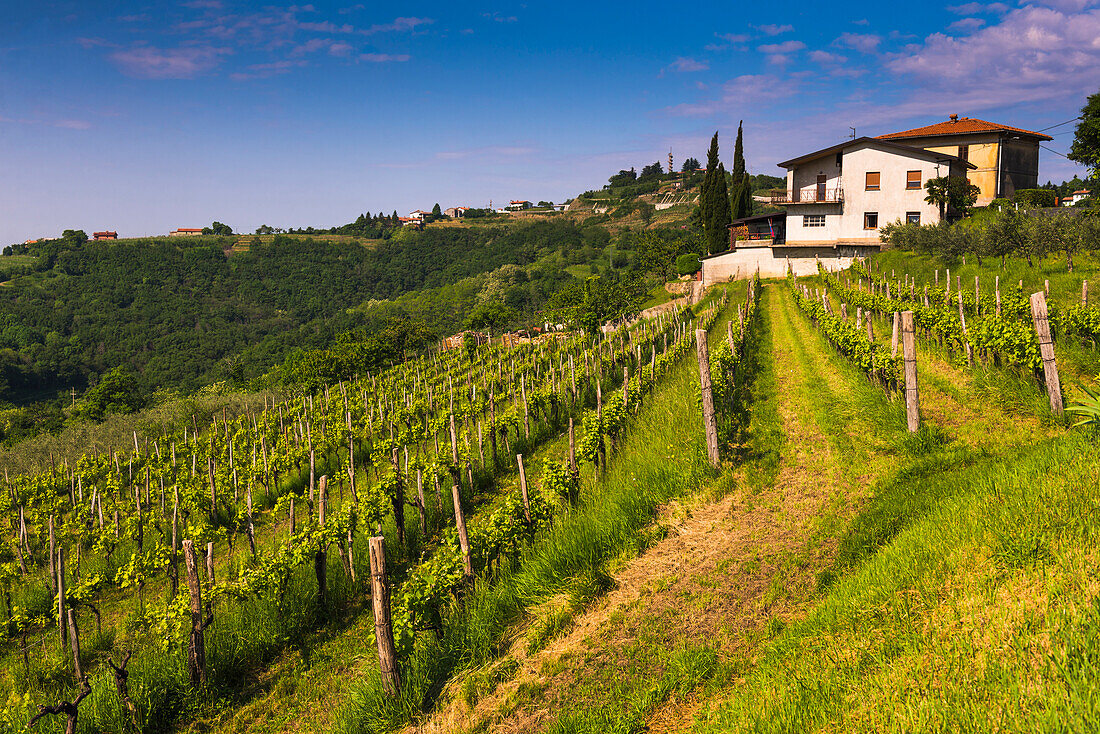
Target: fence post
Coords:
[(460, 524), (894, 336), (909, 353), (523, 489), (196, 647), (709, 421), (1046, 350), (383, 627)]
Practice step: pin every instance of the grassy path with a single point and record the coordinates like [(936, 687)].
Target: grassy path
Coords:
[(734, 566)]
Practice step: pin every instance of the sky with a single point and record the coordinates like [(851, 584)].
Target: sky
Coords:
[(142, 117)]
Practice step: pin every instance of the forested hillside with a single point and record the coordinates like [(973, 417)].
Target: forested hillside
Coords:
[(179, 313)]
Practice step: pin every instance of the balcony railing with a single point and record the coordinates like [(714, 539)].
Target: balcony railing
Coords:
[(807, 195)]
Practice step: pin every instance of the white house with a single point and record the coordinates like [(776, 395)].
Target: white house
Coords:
[(1075, 197), (836, 199), (841, 195)]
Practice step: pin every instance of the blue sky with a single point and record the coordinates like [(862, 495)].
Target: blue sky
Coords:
[(146, 116)]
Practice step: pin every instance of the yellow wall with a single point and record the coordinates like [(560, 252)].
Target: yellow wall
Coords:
[(984, 156)]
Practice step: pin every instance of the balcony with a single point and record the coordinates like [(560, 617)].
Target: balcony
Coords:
[(807, 195)]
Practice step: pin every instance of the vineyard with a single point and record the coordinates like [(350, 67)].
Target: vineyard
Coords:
[(760, 513), (144, 588)]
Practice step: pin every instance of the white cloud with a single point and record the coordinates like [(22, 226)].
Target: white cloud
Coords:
[(739, 91), (786, 47), (825, 58), (966, 24), (977, 8), (864, 42), (188, 62), (685, 64), (383, 58), (1032, 54), (771, 29)]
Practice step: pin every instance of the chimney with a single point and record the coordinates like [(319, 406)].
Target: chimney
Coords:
[(954, 118)]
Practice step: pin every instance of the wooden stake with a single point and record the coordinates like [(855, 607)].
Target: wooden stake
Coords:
[(196, 647), (909, 352), (523, 489), (894, 336), (709, 422), (383, 627), (1046, 350), (74, 642), (460, 523)]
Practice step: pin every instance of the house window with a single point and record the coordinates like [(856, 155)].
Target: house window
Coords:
[(873, 180), (870, 220), (912, 217), (964, 152), (813, 220), (912, 179)]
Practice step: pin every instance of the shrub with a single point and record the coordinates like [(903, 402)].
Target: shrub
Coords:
[(688, 264), (1035, 197)]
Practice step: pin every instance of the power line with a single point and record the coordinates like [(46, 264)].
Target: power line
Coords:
[(1052, 150), (1059, 124)]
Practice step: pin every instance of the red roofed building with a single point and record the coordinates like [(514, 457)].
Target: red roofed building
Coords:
[(105, 235), (1006, 157)]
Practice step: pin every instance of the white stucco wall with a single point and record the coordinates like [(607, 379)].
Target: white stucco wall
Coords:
[(741, 263), (844, 221)]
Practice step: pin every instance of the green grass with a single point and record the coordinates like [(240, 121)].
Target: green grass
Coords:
[(973, 609), (1065, 287)]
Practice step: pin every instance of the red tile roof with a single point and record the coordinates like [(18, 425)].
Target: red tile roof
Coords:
[(960, 126)]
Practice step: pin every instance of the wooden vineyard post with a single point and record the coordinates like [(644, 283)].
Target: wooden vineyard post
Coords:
[(61, 595), (909, 354), (74, 642), (320, 559), (572, 448), (1046, 350), (523, 489), (196, 648), (997, 289), (894, 336), (626, 387), (460, 524), (966, 334), (1084, 293), (383, 627), (423, 506), (870, 327), (709, 421)]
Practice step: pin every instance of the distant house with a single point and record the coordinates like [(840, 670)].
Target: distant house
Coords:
[(419, 215), (458, 340), (456, 212), (105, 235), (518, 205), (1076, 196), (410, 221), (1005, 159), (185, 232)]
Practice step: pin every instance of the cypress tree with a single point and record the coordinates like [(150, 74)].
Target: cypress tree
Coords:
[(714, 202), (738, 157), (741, 196), (707, 188)]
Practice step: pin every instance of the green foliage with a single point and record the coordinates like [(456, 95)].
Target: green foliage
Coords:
[(954, 195), (217, 228), (1035, 197), (117, 392), (690, 165), (1086, 137), (1087, 409), (688, 264), (714, 202)]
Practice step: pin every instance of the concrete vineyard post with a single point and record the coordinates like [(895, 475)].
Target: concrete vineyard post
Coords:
[(1046, 350), (383, 626), (709, 421), (909, 353)]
